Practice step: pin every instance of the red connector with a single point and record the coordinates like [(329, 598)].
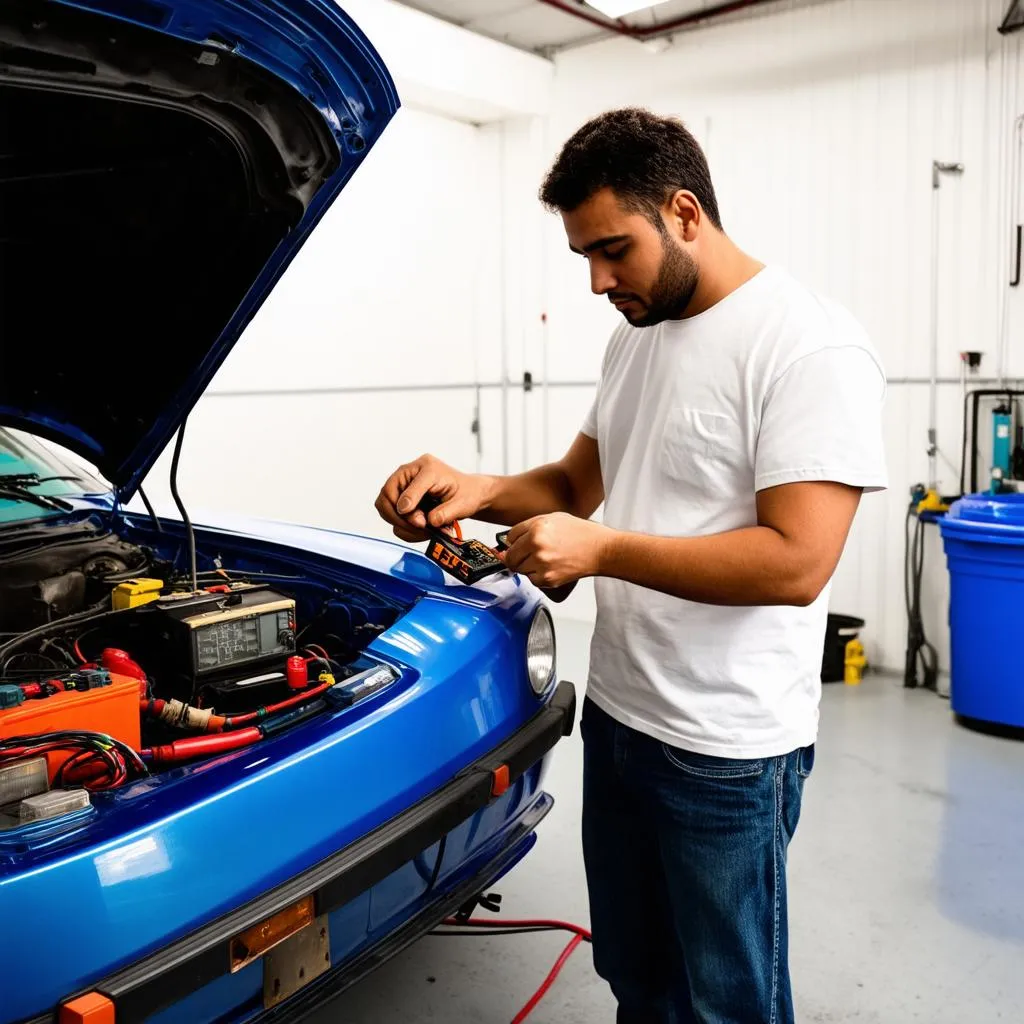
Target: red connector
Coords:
[(297, 672), (121, 662)]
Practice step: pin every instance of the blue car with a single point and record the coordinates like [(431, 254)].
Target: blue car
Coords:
[(241, 763)]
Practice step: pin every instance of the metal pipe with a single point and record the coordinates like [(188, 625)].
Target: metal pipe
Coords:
[(382, 389), (493, 385), (890, 381), (933, 355), (938, 169), (642, 32), (503, 304)]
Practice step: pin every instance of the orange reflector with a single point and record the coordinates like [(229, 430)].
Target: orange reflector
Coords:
[(499, 780), (92, 1008), (255, 941)]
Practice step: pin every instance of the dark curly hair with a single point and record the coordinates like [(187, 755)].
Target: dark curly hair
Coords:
[(641, 157)]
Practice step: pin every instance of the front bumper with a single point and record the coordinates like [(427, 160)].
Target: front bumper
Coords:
[(170, 974)]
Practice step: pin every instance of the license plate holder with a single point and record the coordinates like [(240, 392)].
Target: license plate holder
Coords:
[(296, 962)]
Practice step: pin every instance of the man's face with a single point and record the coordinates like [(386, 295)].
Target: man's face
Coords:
[(647, 274)]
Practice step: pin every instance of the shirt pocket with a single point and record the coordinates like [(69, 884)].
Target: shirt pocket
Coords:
[(697, 444)]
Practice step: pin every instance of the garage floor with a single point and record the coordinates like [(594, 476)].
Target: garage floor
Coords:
[(907, 881)]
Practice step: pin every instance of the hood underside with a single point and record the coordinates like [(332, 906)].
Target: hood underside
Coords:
[(152, 189)]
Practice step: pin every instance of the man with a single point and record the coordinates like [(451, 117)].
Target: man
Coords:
[(736, 425)]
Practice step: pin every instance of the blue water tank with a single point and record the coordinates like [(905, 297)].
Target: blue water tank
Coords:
[(983, 536)]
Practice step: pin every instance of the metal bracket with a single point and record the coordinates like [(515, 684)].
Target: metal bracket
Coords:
[(943, 168)]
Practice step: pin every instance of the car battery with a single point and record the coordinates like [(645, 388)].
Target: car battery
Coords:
[(109, 709)]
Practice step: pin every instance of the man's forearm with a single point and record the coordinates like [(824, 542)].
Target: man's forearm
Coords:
[(752, 566), (512, 499)]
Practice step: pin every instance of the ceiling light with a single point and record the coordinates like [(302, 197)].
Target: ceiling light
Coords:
[(617, 8), (659, 44)]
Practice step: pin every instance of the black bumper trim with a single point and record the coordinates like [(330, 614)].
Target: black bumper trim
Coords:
[(166, 976)]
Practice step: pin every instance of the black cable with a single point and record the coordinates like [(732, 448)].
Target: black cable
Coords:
[(963, 448), (919, 653), (59, 626), (149, 509), (190, 532)]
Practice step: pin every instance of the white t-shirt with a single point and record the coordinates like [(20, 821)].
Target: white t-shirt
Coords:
[(772, 385)]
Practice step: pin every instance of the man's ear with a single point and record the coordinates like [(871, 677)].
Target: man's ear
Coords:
[(684, 215)]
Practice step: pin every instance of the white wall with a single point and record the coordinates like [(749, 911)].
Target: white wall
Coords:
[(821, 125)]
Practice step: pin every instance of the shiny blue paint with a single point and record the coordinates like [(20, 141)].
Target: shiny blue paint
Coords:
[(165, 855), (239, 997), (316, 48)]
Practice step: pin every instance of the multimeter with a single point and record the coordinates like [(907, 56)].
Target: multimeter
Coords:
[(469, 561)]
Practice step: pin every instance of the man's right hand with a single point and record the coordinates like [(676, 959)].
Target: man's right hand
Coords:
[(462, 496)]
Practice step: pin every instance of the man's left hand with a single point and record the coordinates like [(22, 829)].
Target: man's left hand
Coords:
[(555, 549)]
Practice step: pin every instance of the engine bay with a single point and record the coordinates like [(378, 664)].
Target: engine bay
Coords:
[(115, 663)]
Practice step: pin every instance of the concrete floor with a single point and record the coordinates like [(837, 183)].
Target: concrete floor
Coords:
[(906, 877)]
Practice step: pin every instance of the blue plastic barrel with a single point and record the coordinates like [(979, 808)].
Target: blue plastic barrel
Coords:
[(983, 536)]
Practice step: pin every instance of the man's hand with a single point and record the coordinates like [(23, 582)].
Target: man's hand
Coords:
[(462, 495), (573, 484), (555, 549)]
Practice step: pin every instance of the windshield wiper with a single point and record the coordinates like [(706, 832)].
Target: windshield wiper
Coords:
[(15, 487)]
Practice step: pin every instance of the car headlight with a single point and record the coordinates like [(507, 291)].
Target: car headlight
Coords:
[(540, 651)]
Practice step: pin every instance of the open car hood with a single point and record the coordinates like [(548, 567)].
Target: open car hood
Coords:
[(163, 162)]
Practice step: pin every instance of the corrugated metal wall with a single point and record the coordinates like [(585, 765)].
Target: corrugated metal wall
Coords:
[(821, 126)]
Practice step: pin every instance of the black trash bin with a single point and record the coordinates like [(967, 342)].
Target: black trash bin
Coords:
[(841, 629)]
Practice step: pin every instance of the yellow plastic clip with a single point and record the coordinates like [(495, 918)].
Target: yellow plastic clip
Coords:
[(326, 677)]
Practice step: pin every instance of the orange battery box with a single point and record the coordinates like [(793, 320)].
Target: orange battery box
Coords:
[(113, 710)]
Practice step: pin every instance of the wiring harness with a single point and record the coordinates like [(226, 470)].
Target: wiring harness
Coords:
[(96, 761)]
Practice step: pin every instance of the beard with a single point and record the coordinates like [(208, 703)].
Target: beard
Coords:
[(674, 287)]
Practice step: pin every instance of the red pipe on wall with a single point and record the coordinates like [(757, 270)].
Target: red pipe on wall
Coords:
[(647, 31)]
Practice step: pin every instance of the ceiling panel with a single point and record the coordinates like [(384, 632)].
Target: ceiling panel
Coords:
[(532, 25)]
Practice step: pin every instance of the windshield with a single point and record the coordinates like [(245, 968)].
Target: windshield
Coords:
[(28, 489)]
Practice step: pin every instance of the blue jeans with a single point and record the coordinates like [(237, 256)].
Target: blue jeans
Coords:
[(686, 869)]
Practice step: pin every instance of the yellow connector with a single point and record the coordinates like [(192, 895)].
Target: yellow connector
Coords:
[(133, 593), (855, 662), (931, 502), (326, 677)]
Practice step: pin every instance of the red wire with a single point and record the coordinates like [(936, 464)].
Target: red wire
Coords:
[(581, 934), (316, 648), (78, 653), (501, 922), (251, 716), (548, 981)]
